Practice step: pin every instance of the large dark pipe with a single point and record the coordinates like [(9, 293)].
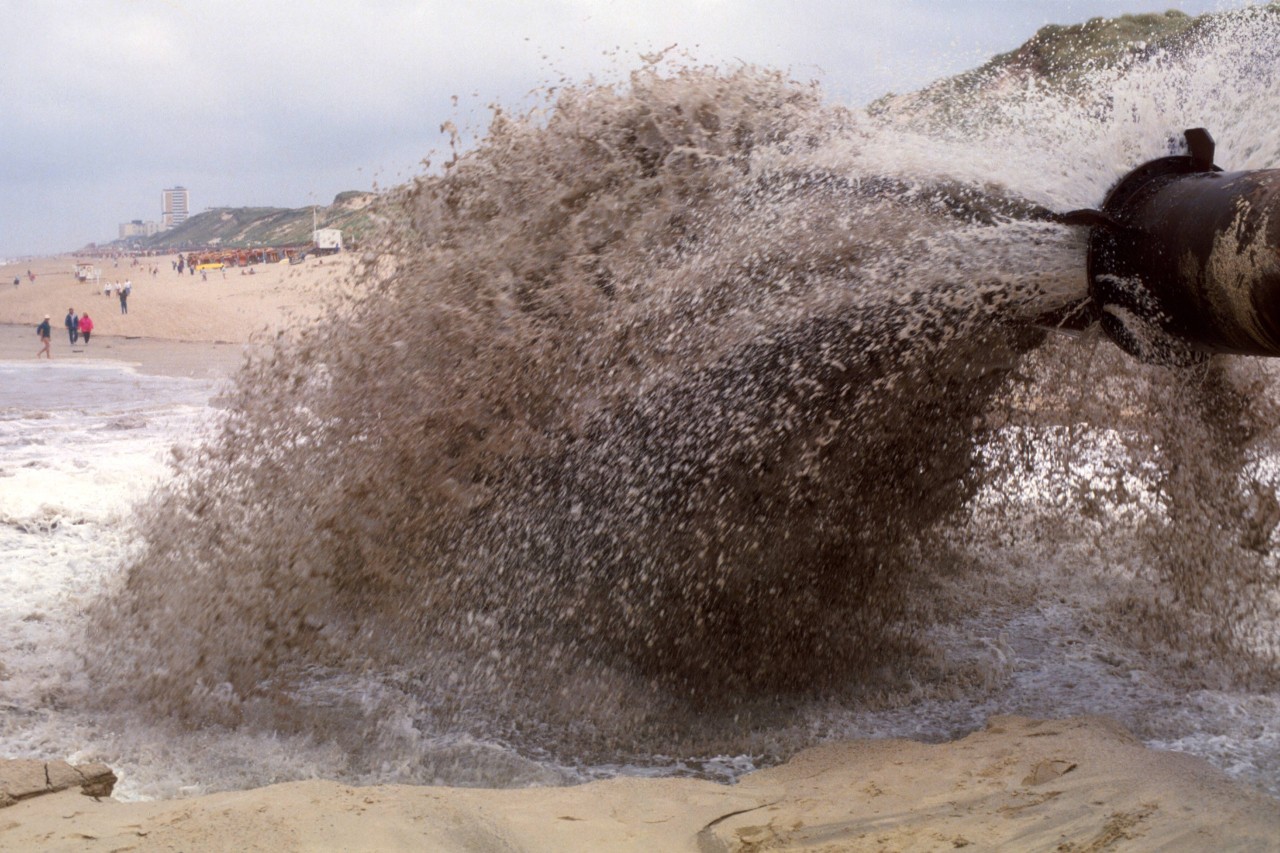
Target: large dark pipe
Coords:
[(1184, 258)]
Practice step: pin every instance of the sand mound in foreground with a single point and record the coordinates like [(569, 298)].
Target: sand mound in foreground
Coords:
[(1072, 785)]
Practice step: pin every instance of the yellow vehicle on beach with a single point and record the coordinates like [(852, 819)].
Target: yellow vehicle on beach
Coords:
[(211, 266)]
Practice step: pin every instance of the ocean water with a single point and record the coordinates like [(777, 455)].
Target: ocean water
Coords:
[(83, 444), (679, 426)]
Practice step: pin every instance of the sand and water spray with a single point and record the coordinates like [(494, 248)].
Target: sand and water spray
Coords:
[(693, 419)]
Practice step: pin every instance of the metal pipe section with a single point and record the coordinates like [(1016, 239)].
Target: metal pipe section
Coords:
[(1184, 258)]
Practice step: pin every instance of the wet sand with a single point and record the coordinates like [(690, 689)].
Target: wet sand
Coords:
[(195, 359)]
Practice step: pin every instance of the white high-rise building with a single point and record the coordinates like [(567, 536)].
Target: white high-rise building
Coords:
[(173, 206)]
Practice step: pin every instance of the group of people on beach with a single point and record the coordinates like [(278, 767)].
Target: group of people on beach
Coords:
[(121, 290), (78, 326)]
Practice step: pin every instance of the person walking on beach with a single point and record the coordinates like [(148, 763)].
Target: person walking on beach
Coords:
[(124, 300), (86, 326), (72, 322), (44, 332)]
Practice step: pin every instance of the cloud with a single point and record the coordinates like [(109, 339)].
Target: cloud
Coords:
[(273, 103)]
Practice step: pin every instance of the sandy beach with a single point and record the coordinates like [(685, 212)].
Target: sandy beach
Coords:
[(1071, 785), (188, 325)]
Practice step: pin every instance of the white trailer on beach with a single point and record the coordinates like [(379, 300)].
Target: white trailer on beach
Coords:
[(328, 240)]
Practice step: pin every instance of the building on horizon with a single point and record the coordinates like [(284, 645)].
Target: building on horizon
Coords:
[(138, 228), (174, 204)]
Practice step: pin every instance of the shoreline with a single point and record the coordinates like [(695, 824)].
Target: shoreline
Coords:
[(1077, 784), (153, 356)]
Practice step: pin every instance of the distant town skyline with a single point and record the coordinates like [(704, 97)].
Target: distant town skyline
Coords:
[(175, 206), (257, 104)]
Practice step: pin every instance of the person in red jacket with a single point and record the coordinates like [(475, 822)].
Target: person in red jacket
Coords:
[(86, 326)]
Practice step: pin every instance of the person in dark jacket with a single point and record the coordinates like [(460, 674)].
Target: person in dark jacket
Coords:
[(44, 332), (72, 322)]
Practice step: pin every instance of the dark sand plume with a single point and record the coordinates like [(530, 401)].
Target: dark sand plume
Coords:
[(641, 407)]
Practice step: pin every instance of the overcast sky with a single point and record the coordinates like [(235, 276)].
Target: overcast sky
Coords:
[(103, 103)]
